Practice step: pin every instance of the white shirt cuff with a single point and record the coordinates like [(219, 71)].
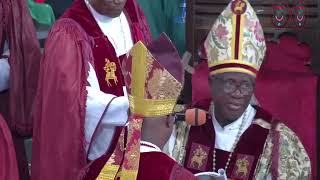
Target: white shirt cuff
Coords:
[(116, 115), (4, 74)]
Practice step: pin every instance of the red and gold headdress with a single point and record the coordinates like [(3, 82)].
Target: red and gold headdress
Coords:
[(236, 41), (154, 79)]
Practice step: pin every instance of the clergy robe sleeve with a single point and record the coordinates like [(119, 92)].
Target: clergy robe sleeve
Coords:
[(58, 137), (287, 160), (116, 115), (4, 74), (293, 160)]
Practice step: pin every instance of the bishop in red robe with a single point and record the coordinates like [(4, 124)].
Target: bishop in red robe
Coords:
[(80, 78), (156, 130)]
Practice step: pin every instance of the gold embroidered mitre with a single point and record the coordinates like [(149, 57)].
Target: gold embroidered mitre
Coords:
[(236, 42), (154, 77)]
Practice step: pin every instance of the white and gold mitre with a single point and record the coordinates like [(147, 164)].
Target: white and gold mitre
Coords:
[(236, 42)]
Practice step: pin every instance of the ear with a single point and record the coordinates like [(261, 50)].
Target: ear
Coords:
[(170, 121)]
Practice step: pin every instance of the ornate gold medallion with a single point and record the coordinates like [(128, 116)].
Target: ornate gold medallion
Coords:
[(199, 155), (238, 7), (110, 68), (242, 167)]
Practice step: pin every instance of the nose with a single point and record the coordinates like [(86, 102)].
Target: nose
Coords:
[(237, 94)]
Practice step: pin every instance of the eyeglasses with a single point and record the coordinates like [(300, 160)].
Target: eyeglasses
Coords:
[(230, 86)]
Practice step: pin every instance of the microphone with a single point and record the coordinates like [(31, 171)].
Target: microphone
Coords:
[(193, 117)]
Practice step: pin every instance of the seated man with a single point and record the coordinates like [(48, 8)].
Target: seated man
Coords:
[(243, 140)]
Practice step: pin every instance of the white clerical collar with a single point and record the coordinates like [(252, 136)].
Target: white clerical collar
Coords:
[(98, 17), (225, 136), (148, 147), (236, 123), (116, 29)]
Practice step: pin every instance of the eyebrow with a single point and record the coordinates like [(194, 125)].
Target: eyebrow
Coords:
[(242, 81)]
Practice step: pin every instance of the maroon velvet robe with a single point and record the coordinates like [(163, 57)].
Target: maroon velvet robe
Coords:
[(74, 40), (8, 162), (250, 147), (159, 166)]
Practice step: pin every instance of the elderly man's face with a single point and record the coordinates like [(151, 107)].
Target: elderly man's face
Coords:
[(111, 8), (231, 93)]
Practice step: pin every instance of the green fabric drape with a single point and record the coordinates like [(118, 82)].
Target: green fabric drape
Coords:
[(166, 16), (41, 13)]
